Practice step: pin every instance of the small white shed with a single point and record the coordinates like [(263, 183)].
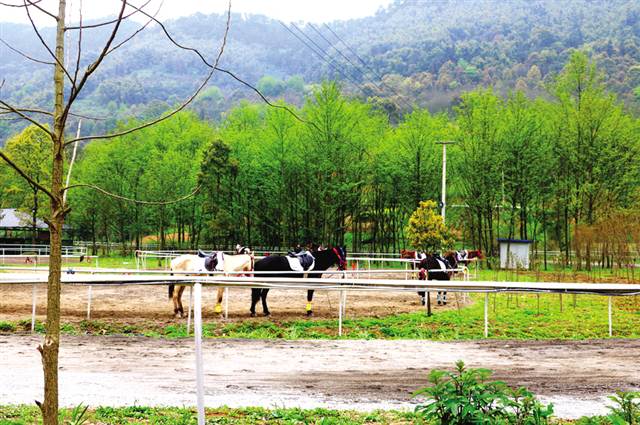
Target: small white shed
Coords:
[(514, 253)]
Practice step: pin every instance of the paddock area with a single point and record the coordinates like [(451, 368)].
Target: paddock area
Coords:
[(136, 304)]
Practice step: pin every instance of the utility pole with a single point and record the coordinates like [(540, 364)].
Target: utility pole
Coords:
[(443, 201)]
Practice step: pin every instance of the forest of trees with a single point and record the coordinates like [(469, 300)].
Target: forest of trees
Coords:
[(554, 169), (412, 53)]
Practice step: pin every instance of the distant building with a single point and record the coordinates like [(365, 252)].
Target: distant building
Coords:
[(16, 227), (514, 253)]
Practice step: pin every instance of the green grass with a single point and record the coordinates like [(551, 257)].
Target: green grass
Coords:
[(23, 415), (224, 415), (523, 316)]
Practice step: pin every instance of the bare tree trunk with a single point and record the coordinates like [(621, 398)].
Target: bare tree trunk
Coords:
[(49, 350)]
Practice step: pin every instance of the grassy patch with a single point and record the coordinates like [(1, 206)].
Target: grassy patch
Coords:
[(223, 415), (511, 316), (23, 415)]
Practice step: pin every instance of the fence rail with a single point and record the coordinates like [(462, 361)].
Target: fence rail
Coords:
[(343, 285)]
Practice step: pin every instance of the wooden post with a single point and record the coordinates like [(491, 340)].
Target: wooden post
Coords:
[(197, 315)]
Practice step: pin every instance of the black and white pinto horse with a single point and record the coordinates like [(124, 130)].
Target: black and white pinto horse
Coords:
[(321, 259), (435, 267)]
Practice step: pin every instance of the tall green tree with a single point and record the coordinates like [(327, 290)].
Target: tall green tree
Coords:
[(31, 151)]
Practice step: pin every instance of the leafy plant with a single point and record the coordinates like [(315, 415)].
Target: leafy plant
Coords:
[(79, 415), (467, 397), (627, 408)]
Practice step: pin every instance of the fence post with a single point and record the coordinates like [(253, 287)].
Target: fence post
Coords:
[(33, 310), (340, 313), (89, 304), (226, 302), (189, 312), (610, 319), (197, 314), (486, 314)]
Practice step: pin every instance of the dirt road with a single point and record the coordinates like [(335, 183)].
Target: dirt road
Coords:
[(361, 375)]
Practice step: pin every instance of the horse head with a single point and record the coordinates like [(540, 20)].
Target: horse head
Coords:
[(243, 249), (341, 254), (477, 253), (405, 253)]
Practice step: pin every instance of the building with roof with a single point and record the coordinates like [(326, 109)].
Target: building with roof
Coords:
[(17, 227)]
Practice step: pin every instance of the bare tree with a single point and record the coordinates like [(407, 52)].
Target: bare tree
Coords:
[(69, 80)]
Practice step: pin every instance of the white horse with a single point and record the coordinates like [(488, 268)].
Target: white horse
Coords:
[(196, 265)]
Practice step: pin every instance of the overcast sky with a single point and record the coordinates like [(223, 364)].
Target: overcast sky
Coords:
[(286, 10)]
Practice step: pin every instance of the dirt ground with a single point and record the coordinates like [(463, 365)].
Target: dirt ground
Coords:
[(135, 304), (363, 375)]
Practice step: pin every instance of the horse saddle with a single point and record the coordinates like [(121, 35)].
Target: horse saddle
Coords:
[(203, 254), (301, 262), (212, 262)]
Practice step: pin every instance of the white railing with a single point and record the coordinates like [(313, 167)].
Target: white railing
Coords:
[(39, 249)]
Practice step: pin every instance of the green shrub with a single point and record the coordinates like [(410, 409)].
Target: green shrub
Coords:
[(627, 408), (7, 327), (466, 397)]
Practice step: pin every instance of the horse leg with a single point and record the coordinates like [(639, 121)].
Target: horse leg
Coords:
[(255, 297), (422, 297), (263, 296), (309, 306), (177, 302), (439, 298), (219, 303), (444, 298)]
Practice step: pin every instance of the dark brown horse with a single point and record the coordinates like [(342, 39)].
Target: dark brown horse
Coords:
[(430, 266)]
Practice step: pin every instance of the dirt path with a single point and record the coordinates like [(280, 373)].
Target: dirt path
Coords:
[(361, 375)]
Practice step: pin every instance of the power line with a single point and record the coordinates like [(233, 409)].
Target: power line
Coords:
[(405, 103), (320, 53), (363, 62)]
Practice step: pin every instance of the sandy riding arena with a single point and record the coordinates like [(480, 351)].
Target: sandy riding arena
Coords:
[(362, 375), (136, 304)]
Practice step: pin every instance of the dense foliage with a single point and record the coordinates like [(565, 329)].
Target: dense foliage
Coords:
[(553, 169), (426, 53)]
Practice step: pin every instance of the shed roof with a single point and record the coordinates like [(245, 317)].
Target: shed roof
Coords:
[(506, 240), (11, 218)]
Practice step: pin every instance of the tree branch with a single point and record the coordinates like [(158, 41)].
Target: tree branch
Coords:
[(25, 175), (75, 73), (135, 201), (46, 46), (215, 66), (26, 117), (138, 31), (273, 105), (166, 32), (24, 54), (102, 24), (75, 90), (41, 9), (18, 5), (34, 111), (179, 108)]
